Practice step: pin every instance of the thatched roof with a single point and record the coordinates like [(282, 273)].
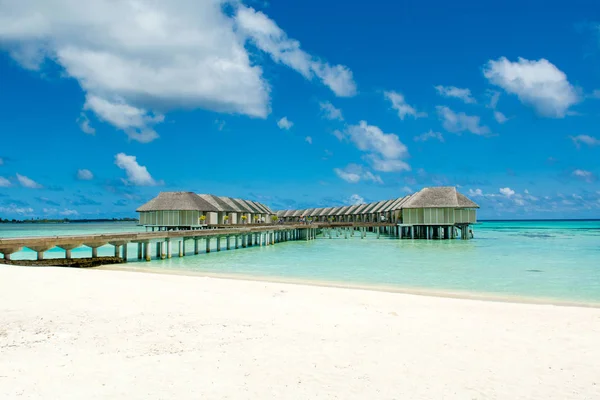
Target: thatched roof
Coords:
[(189, 201), (177, 201), (219, 204), (242, 206), (397, 205), (379, 206), (435, 197), (345, 210), (232, 204), (439, 197), (334, 211)]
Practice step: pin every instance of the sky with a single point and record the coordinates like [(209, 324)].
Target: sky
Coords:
[(299, 104)]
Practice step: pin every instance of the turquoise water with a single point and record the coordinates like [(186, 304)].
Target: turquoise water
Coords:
[(535, 259)]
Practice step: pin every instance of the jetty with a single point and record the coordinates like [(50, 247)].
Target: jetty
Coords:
[(179, 221), (162, 243)]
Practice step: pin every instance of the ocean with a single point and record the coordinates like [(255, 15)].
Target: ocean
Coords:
[(529, 260)]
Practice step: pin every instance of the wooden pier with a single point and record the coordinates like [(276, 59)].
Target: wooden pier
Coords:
[(162, 244)]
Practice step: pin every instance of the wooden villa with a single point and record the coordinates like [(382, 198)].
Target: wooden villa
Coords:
[(435, 212), (187, 210), (430, 213)]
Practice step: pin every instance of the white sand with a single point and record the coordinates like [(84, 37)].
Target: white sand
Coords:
[(96, 334)]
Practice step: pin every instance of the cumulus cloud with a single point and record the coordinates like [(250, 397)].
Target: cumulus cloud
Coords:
[(355, 200), (404, 109), (585, 139), (27, 182), (69, 213), (499, 117), (137, 175), (4, 182), (587, 176), (452, 91), (354, 173), (84, 125), (330, 111), (508, 192), (267, 36), (285, 123), (138, 59), (539, 84), (385, 151), (15, 209), (372, 139), (475, 193), (137, 123), (429, 135), (85, 175), (460, 122), (308, 140), (387, 164)]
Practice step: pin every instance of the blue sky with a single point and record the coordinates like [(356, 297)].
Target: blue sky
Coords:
[(298, 104)]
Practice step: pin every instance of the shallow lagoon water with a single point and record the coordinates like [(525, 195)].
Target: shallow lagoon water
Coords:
[(530, 259)]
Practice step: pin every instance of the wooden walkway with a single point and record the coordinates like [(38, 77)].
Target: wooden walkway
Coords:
[(243, 236), (233, 236)]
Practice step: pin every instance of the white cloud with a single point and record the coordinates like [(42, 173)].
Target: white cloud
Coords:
[(407, 189), (404, 109), (137, 174), (270, 38), (429, 135), (84, 125), (587, 176), (369, 176), (475, 193), (539, 84), (529, 196), (355, 200), (500, 118), (330, 111), (385, 150), (372, 139), (4, 182), (339, 134), (148, 54), (585, 139), (27, 182), (285, 123), (508, 192), (14, 209), (308, 140), (452, 91), (135, 122), (460, 122), (85, 175), (387, 165), (494, 97), (220, 124), (69, 213), (347, 175), (354, 173)]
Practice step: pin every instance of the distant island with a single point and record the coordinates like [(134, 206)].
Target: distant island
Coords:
[(63, 220)]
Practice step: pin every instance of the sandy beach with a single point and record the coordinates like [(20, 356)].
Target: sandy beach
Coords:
[(98, 334)]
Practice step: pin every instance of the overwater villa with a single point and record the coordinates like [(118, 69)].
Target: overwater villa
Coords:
[(187, 210), (429, 213)]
